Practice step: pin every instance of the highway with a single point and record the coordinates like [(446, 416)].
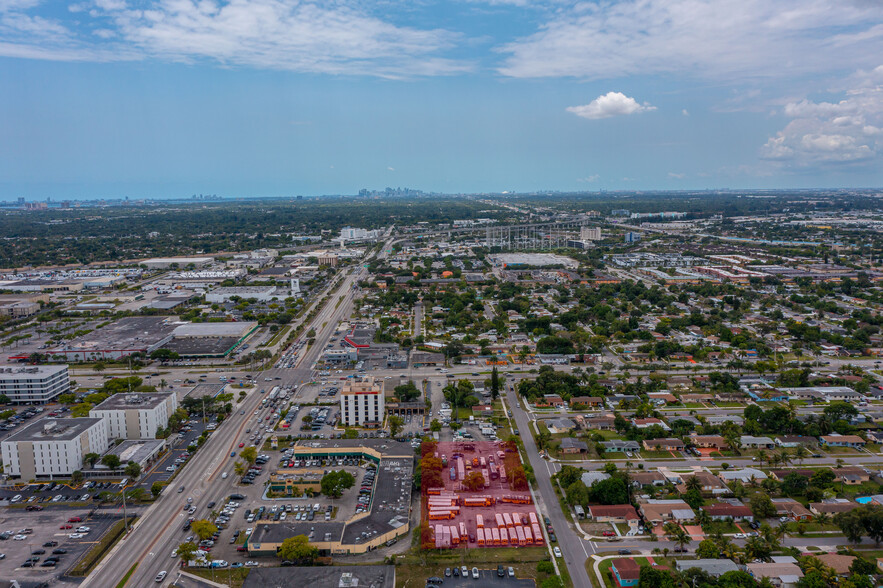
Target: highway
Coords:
[(159, 531)]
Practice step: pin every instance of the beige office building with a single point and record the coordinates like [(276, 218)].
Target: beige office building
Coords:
[(53, 448), (136, 415)]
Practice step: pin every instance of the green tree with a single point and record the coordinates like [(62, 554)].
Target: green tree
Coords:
[(473, 481), (203, 528), (297, 549), (495, 383), (249, 454), (435, 426), (187, 551), (156, 489), (610, 491), (335, 482), (407, 392), (133, 470), (676, 533), (91, 459), (707, 550), (762, 506), (110, 460), (395, 425), (239, 468)]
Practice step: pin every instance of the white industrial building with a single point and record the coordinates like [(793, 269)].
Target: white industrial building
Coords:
[(33, 384), (362, 402), (356, 234), (53, 448), (590, 233), (259, 293), (136, 415)]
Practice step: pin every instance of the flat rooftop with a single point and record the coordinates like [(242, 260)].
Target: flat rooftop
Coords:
[(201, 390), (130, 333), (534, 259), (196, 347), (30, 372), (385, 447), (137, 450), (226, 329), (390, 503), (63, 430), (322, 577), (135, 400)]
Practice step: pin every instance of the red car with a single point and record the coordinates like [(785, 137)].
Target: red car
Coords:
[(66, 527), (242, 445), (75, 520), (608, 533)]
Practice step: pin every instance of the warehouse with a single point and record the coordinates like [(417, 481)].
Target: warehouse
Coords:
[(120, 339), (259, 293), (209, 339), (167, 262)]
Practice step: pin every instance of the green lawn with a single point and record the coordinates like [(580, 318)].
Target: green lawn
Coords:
[(658, 454)]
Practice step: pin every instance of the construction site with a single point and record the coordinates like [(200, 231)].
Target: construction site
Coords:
[(475, 494)]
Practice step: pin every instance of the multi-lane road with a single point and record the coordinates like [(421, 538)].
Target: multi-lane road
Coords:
[(159, 530)]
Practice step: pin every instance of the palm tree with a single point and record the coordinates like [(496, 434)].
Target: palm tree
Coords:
[(693, 483), (784, 457), (676, 533), (823, 518), (762, 457), (703, 518), (800, 453)]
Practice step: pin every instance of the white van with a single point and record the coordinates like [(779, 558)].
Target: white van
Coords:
[(224, 476)]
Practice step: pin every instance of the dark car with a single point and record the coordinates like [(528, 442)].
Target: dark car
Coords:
[(38, 552), (50, 544), (501, 573), (59, 551), (625, 552)]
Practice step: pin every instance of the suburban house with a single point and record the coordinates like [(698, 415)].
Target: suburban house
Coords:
[(710, 484), (751, 442), (712, 567), (552, 400), (661, 511), (788, 507), (839, 563), (612, 513), (626, 571), (620, 445), (745, 475), (851, 475), (571, 445), (642, 479), (832, 508), (781, 574), (649, 422), (781, 474), (589, 478), (670, 444), (603, 422), (708, 441), (792, 441), (561, 425), (835, 440), (589, 401), (724, 511)]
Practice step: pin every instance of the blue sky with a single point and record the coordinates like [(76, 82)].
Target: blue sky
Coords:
[(166, 98)]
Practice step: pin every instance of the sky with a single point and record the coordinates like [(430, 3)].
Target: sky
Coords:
[(169, 98)]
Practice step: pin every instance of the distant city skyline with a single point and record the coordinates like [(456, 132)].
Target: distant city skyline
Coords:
[(269, 98)]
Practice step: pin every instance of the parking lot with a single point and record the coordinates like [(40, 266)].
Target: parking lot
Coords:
[(485, 578), (37, 534)]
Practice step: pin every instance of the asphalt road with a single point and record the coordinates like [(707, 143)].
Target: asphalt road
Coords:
[(571, 545), (158, 532)]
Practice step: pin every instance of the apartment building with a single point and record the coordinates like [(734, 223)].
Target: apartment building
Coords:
[(52, 448), (362, 402), (136, 415), (33, 384)]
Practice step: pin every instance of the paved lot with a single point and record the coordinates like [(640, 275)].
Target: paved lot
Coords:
[(45, 525), (486, 578)]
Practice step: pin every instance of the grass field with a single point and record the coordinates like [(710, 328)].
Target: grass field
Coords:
[(234, 578)]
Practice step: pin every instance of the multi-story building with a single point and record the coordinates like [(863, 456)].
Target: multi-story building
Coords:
[(137, 415), (362, 402), (52, 448), (34, 384), (590, 233)]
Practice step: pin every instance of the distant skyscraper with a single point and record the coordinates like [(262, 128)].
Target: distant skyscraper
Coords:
[(632, 237)]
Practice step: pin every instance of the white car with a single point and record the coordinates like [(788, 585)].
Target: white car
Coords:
[(251, 564), (475, 573), (160, 576), (20, 537), (557, 552), (16, 498), (739, 536), (83, 529), (76, 536)]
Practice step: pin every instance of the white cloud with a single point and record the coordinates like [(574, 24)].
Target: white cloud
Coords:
[(720, 39), (608, 105), (589, 179), (676, 176), (338, 38), (845, 131), (685, 112), (390, 168)]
